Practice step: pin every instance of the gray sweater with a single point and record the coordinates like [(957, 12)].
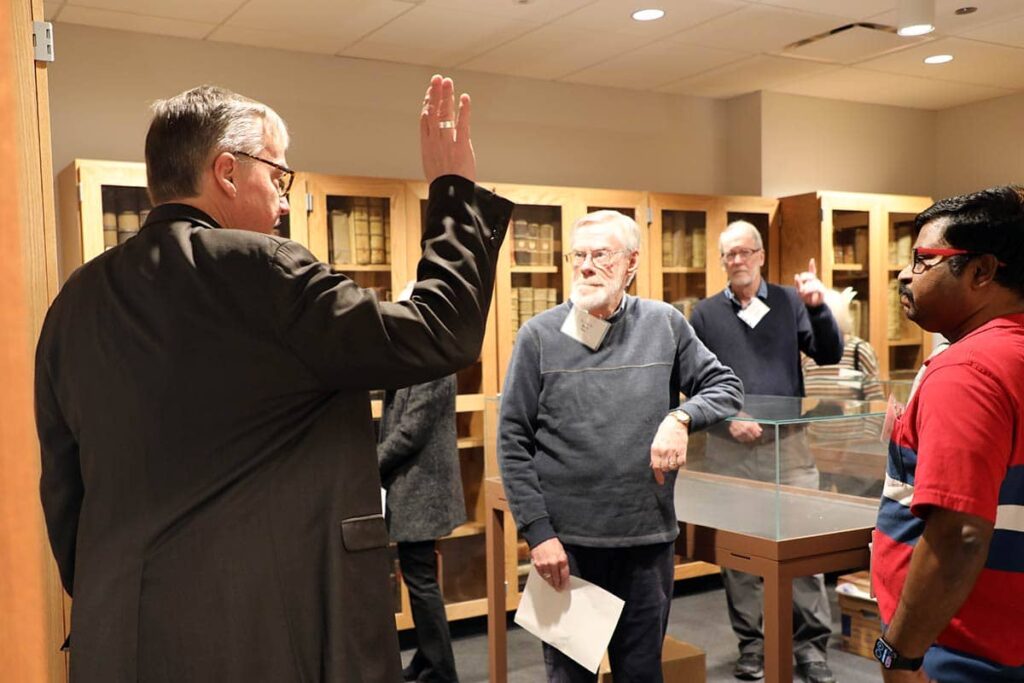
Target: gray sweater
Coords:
[(576, 425)]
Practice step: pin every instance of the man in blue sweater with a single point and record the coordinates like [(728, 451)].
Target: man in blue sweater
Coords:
[(759, 330), (592, 434)]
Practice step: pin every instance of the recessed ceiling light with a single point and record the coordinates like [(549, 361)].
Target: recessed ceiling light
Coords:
[(916, 30), (938, 59), (648, 14)]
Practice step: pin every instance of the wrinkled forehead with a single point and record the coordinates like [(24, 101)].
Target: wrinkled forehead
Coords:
[(606, 235)]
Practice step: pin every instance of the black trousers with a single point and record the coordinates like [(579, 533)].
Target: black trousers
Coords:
[(643, 577), (434, 660)]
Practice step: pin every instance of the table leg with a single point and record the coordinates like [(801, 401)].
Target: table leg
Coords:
[(497, 638), (778, 626)]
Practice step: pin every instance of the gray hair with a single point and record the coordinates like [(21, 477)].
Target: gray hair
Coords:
[(627, 227), (191, 128), (737, 226)]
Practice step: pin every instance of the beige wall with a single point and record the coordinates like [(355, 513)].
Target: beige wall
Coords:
[(810, 143), (743, 148), (980, 145), (360, 117)]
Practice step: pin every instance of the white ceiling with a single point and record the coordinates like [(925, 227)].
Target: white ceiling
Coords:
[(711, 48)]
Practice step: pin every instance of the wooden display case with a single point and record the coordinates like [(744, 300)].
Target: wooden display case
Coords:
[(104, 203), (358, 226), (95, 198), (856, 240), (685, 263)]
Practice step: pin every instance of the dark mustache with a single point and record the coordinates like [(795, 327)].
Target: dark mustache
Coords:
[(905, 291)]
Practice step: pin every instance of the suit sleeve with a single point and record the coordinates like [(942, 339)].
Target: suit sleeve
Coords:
[(350, 340), (60, 484), (818, 334), (713, 391), (517, 446), (424, 408)]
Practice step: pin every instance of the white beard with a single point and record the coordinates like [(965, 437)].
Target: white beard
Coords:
[(601, 297)]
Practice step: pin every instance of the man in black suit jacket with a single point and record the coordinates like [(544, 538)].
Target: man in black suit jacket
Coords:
[(209, 477)]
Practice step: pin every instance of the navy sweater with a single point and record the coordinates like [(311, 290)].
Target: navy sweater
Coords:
[(767, 357), (577, 425)]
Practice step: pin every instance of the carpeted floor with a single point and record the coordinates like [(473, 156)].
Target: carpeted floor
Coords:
[(698, 616)]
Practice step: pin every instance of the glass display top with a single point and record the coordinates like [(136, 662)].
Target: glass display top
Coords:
[(778, 410)]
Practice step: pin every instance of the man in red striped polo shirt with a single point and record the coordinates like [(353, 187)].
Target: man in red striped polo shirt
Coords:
[(948, 564)]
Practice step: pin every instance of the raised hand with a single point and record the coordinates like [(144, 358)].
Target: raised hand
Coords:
[(810, 288), (444, 134)]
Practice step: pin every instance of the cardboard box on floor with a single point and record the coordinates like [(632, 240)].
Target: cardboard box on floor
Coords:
[(680, 663), (860, 621)]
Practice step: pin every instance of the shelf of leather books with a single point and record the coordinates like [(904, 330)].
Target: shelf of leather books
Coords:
[(861, 241)]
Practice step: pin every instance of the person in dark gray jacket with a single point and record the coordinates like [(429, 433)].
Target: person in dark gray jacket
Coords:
[(419, 467), (591, 434)]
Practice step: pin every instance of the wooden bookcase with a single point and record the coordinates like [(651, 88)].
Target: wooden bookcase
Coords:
[(685, 263), (861, 241), (104, 202), (358, 227), (94, 197)]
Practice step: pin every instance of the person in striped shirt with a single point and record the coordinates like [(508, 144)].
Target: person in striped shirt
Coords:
[(855, 376), (948, 552)]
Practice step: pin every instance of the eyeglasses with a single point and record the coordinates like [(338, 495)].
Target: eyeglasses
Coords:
[(741, 254), (918, 264), (602, 258), (283, 181)]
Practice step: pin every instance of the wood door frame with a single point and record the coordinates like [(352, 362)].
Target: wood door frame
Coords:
[(32, 600)]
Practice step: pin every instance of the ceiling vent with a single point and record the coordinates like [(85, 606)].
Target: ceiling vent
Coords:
[(849, 44)]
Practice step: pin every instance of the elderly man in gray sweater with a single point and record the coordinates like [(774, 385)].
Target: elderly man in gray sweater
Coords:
[(592, 433)]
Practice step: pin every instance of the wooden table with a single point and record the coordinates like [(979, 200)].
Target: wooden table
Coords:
[(497, 632), (778, 554), (779, 534)]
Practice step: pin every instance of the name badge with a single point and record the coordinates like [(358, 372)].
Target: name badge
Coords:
[(753, 313), (585, 328)]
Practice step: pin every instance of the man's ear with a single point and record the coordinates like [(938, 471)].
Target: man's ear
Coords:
[(225, 166), (984, 270)]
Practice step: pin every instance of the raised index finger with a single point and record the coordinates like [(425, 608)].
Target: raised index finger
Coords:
[(811, 267)]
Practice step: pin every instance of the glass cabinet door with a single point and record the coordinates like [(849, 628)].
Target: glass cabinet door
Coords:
[(905, 339), (125, 210), (536, 267), (683, 249), (351, 226), (359, 241), (851, 263)]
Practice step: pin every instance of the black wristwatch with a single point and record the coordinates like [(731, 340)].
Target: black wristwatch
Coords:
[(891, 659)]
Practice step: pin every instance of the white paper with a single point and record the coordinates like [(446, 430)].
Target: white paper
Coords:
[(578, 621), (383, 501), (754, 311), (585, 328)]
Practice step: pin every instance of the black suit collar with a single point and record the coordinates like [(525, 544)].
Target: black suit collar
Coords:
[(166, 213)]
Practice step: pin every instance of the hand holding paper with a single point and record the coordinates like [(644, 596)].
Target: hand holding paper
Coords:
[(579, 621)]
